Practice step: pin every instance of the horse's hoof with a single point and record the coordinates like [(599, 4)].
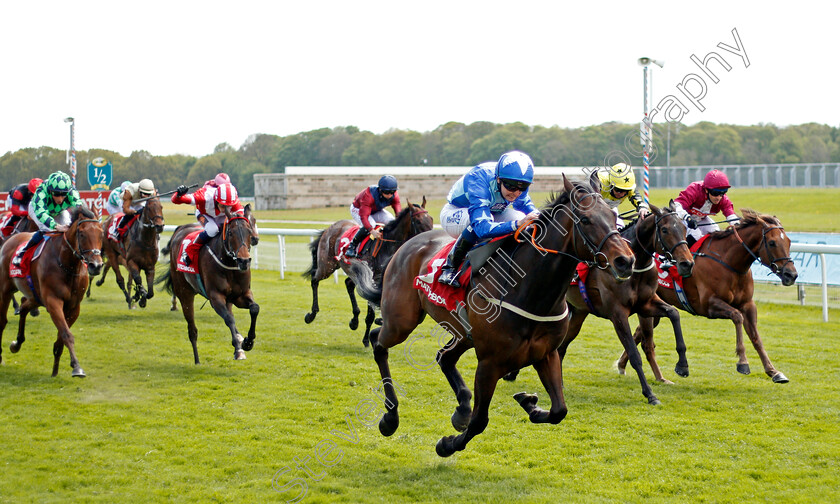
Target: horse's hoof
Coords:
[(308, 318), (366, 341), (526, 400), (34, 312), (780, 378), (666, 381), (387, 428), (78, 373), (444, 447), (653, 401), (14, 347), (510, 376), (17, 310), (239, 355), (683, 370), (459, 421), (377, 321), (354, 324), (248, 344), (743, 368), (142, 302)]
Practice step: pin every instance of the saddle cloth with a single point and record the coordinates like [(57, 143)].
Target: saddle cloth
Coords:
[(670, 278), (115, 233), (344, 243), (193, 266), (438, 293), (22, 271)]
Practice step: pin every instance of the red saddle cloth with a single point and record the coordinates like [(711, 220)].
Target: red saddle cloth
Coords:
[(193, 266), (438, 293), (668, 278), (5, 227), (22, 271), (344, 243), (115, 233)]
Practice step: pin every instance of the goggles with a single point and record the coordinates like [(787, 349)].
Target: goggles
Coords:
[(386, 191), (718, 192), (515, 185)]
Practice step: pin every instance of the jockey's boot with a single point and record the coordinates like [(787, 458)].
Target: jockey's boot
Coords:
[(196, 245), (449, 270), (690, 240), (351, 249), (126, 218), (34, 240)]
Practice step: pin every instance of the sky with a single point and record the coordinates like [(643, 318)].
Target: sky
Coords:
[(181, 77)]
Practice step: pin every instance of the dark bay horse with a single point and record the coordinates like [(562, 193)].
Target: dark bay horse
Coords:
[(411, 221), (224, 278), (137, 251), (59, 278), (660, 233), (24, 225), (513, 322), (722, 283)]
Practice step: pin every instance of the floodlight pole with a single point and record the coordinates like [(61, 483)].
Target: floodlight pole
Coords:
[(72, 153)]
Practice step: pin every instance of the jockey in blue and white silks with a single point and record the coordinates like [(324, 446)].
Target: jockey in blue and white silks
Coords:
[(488, 201)]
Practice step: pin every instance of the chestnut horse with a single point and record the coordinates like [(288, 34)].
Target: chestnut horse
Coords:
[(411, 221), (722, 283), (224, 278), (137, 251), (24, 225), (59, 278), (511, 322)]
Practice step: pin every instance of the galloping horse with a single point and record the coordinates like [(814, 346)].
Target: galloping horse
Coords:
[(137, 251), (224, 278), (512, 322), (412, 220), (722, 283), (59, 278), (24, 225), (661, 233)]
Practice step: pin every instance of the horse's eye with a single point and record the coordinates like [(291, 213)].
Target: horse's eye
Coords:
[(585, 220), (665, 230), (772, 243)]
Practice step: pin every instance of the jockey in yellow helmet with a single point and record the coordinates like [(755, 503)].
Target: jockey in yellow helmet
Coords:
[(618, 183)]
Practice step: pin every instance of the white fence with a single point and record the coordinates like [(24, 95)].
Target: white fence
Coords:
[(282, 265)]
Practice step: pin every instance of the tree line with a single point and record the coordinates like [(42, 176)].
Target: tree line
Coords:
[(451, 144)]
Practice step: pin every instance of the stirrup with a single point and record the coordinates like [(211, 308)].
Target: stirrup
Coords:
[(17, 259), (185, 258), (350, 252), (450, 277)]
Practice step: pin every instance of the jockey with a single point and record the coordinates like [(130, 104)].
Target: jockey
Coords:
[(700, 200), (211, 203), (114, 204), (368, 210), (618, 183), (219, 179), (18, 203), (49, 209), (139, 190), (489, 200)]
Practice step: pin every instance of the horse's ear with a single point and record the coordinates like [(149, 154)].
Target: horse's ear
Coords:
[(567, 185), (594, 181), (671, 205), (655, 209), (424, 202)]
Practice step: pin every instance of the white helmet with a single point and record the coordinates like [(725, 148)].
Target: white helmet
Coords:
[(147, 187)]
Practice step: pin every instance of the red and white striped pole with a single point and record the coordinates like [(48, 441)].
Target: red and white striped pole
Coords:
[(72, 154), (645, 130)]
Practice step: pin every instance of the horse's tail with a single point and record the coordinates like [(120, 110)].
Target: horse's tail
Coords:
[(313, 249), (362, 276), (165, 278), (168, 247)]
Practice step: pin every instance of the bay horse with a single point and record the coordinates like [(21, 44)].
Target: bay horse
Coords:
[(59, 278), (411, 221), (722, 283), (526, 325), (137, 251), (224, 278), (661, 233), (24, 225)]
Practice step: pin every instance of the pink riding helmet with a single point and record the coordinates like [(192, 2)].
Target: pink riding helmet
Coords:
[(716, 179)]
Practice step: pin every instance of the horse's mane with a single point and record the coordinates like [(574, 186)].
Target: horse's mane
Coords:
[(405, 213), (563, 198), (81, 211), (749, 217)]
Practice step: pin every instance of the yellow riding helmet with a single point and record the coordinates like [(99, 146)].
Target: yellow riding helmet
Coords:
[(621, 177)]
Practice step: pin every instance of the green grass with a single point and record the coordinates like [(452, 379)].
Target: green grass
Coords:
[(147, 425)]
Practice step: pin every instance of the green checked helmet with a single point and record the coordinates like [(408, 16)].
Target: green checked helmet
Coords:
[(59, 183)]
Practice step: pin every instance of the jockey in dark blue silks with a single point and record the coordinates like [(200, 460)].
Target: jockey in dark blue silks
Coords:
[(368, 210), (488, 201)]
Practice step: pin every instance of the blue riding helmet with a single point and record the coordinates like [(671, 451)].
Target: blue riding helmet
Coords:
[(388, 183), (515, 165)]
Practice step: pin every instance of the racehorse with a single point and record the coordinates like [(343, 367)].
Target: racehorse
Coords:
[(24, 225), (59, 278), (411, 221), (511, 322), (660, 233), (224, 278), (722, 283), (137, 251)]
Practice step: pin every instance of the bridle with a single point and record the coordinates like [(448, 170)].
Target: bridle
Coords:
[(773, 267), (668, 253), (148, 221), (78, 251), (245, 241)]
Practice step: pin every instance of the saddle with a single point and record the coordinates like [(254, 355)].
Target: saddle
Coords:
[(347, 238), (193, 255), (25, 264), (116, 233)]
